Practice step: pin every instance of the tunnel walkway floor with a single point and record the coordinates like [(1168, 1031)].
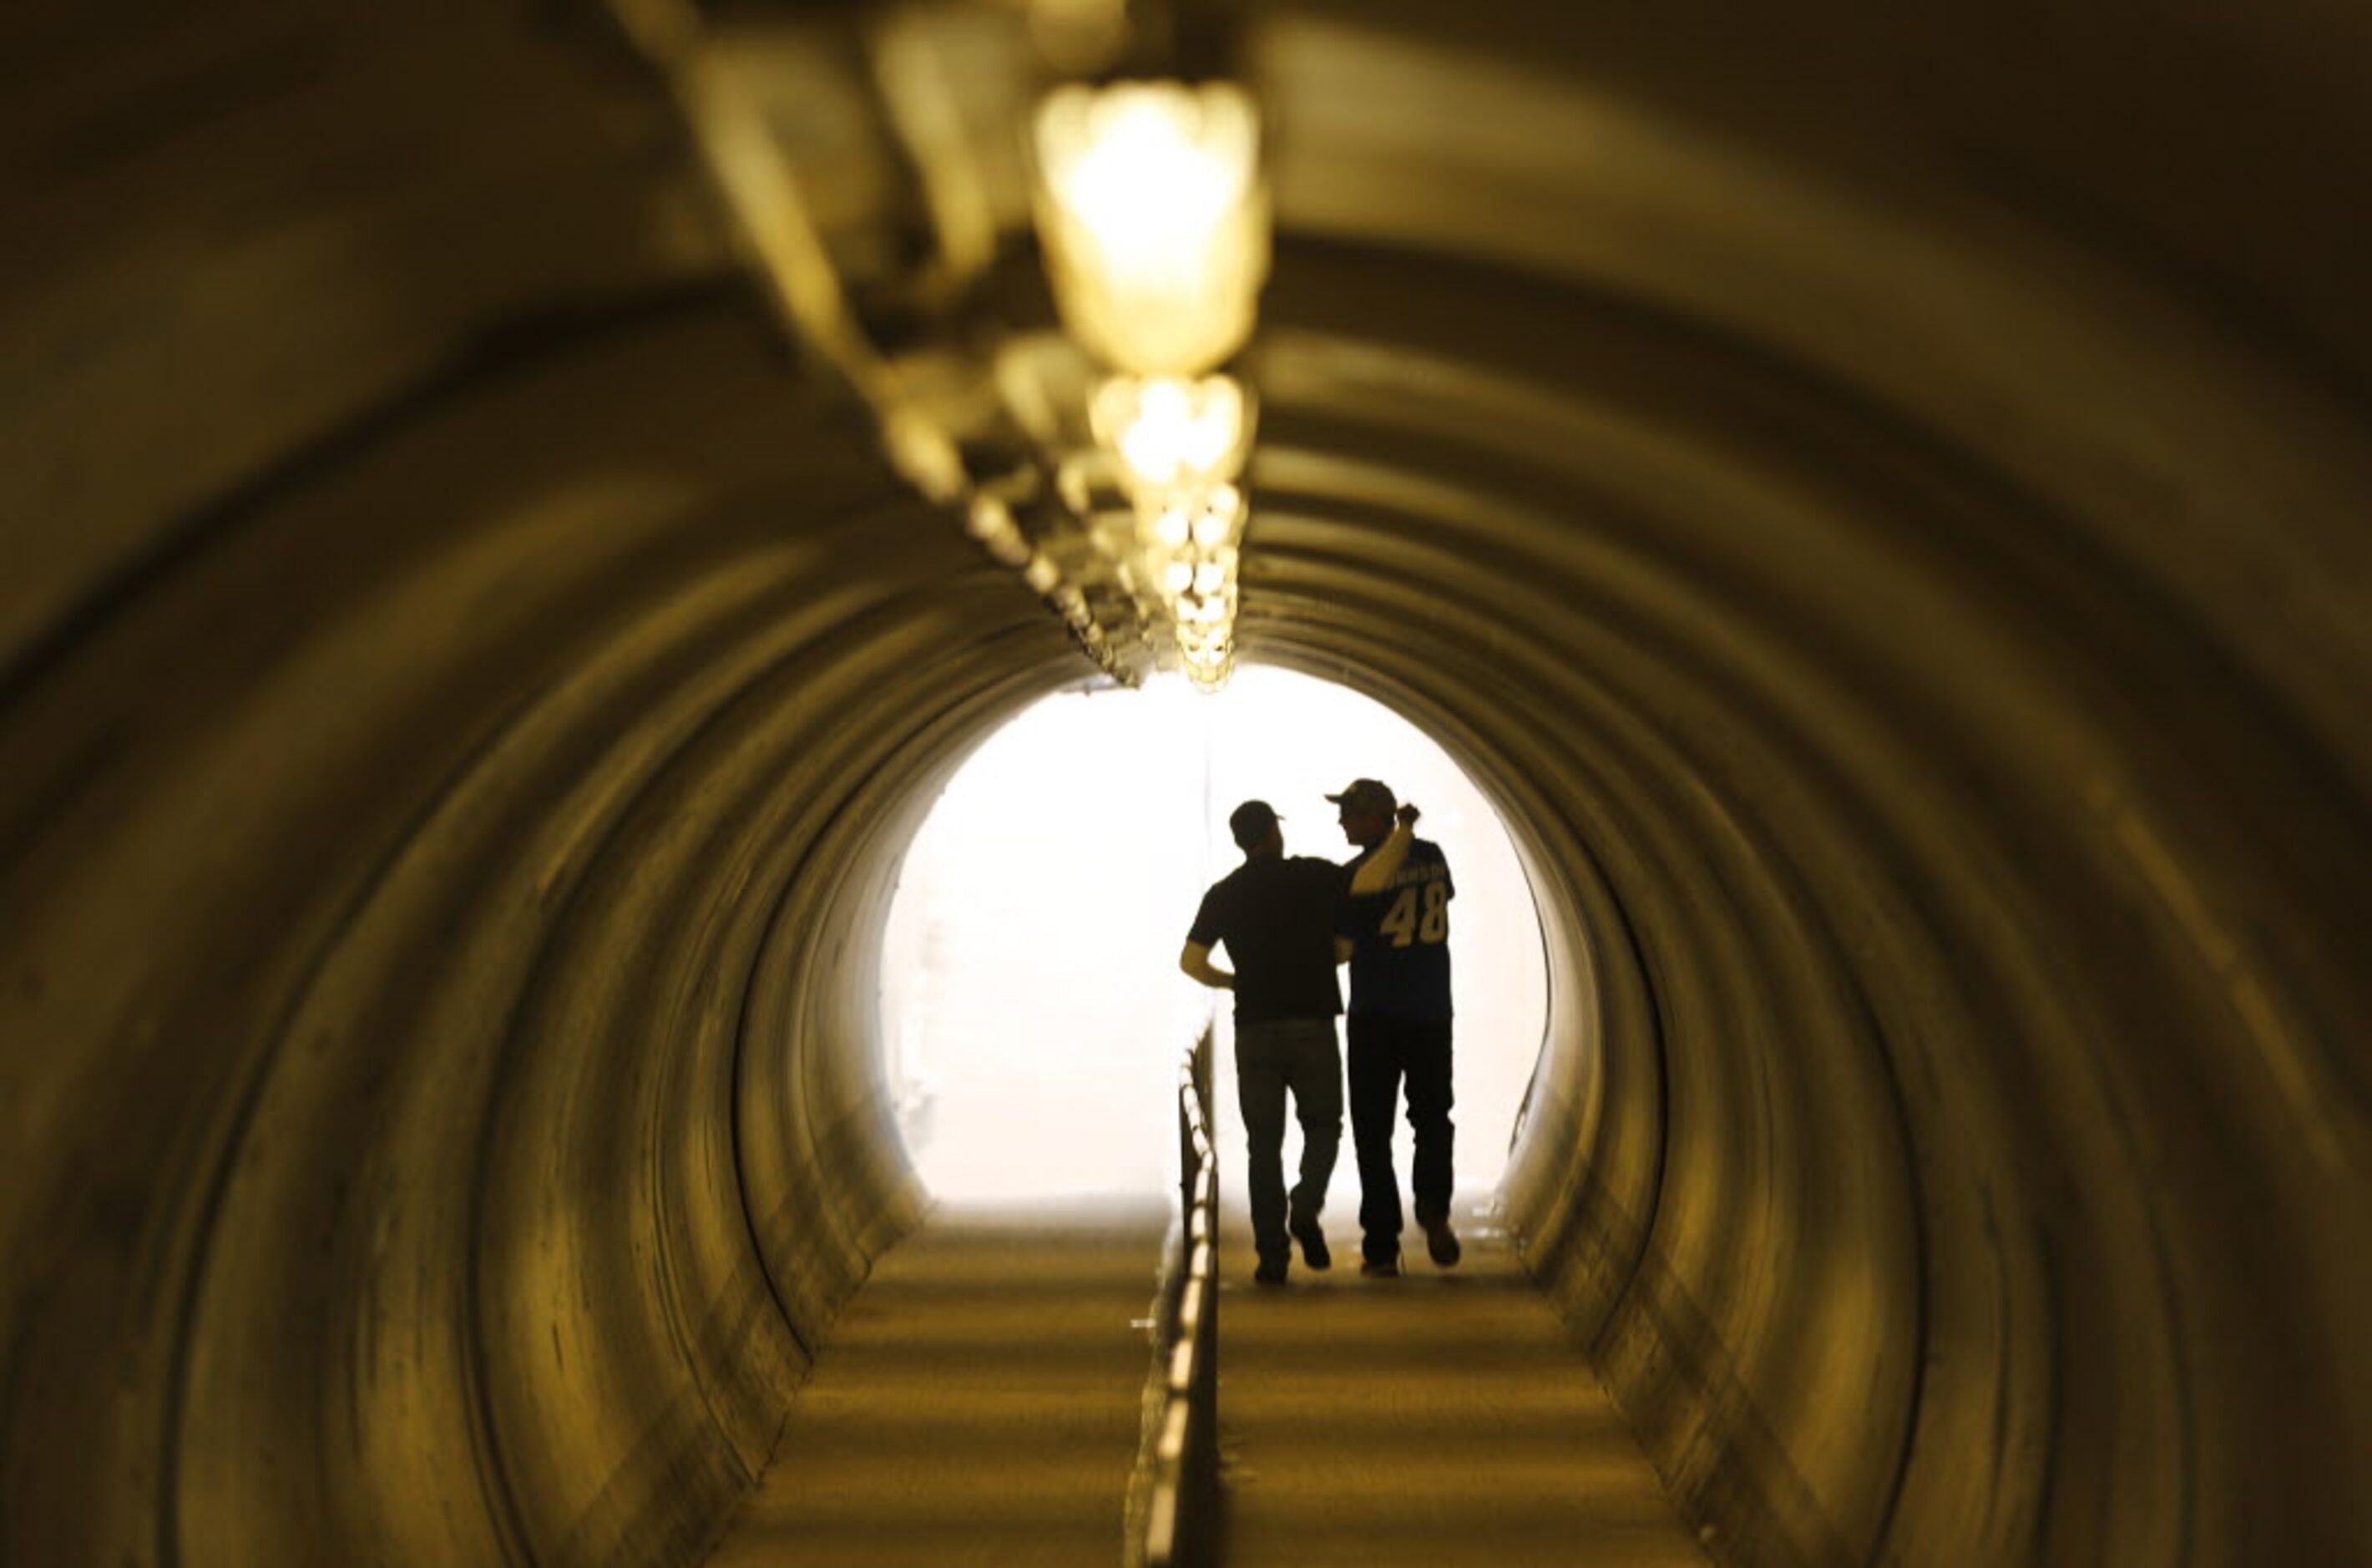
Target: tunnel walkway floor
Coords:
[(1443, 1416), (978, 1400)]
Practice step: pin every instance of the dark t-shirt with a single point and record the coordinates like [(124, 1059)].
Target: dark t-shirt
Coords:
[(1277, 916), (1399, 940)]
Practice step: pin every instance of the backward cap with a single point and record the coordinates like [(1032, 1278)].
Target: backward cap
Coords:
[(1250, 823), (1366, 795)]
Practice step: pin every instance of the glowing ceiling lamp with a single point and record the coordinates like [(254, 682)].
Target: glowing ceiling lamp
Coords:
[(1207, 521), (1208, 656), (1174, 435), (1153, 220)]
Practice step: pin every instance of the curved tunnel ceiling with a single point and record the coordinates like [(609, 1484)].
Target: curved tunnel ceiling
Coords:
[(1881, 502)]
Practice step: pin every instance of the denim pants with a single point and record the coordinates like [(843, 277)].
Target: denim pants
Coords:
[(1297, 1056), (1385, 1055)]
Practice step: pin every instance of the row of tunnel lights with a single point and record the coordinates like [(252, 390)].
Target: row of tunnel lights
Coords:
[(1154, 223), (1153, 220)]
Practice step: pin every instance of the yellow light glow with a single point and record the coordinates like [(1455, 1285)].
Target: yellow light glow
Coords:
[(1211, 520), (1217, 525), (1154, 219), (1173, 435)]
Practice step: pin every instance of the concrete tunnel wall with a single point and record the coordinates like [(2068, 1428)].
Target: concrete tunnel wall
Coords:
[(1878, 501)]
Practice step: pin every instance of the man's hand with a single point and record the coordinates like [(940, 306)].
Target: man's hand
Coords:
[(1406, 816)]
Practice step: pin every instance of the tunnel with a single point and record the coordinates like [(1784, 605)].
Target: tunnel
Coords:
[(1880, 498)]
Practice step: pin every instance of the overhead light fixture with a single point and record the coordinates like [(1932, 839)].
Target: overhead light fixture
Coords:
[(939, 427), (1153, 220), (1188, 555), (1208, 659), (1207, 519), (1171, 434), (1205, 608)]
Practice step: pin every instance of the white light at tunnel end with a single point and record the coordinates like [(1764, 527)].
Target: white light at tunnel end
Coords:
[(1032, 1011)]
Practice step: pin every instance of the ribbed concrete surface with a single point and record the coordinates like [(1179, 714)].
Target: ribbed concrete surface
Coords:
[(979, 1401), (1878, 504), (1439, 1417)]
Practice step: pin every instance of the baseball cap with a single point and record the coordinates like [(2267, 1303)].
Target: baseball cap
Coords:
[(1251, 822), (1366, 795)]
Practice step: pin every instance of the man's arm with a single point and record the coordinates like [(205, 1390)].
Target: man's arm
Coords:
[(1376, 872), (1196, 961)]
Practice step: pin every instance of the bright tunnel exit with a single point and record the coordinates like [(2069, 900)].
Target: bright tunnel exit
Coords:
[(1032, 1009)]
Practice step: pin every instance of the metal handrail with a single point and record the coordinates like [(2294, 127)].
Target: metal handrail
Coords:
[(1181, 1512)]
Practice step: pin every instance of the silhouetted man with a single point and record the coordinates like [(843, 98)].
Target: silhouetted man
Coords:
[(1277, 915), (1398, 921)]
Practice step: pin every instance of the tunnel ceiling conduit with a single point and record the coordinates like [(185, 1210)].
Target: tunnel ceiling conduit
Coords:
[(1891, 538)]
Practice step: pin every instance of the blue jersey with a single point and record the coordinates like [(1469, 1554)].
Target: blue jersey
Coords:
[(1400, 940)]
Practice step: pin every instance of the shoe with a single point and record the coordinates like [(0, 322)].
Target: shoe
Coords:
[(1314, 1250), (1271, 1272), (1441, 1243), (1381, 1269)]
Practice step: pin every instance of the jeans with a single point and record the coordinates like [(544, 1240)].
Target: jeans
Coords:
[(1385, 1053), (1297, 1055)]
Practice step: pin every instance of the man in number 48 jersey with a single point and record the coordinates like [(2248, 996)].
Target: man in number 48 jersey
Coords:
[(1398, 1027)]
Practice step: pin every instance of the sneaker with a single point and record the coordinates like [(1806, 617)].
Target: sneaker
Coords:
[(1269, 1273), (1314, 1250), (1441, 1243), (1381, 1269)]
